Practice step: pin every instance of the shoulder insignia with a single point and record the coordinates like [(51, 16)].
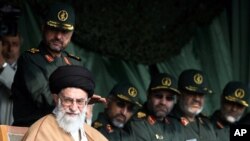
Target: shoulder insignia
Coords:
[(97, 124), (141, 115), (73, 56), (33, 50), (184, 121), (151, 120), (109, 128)]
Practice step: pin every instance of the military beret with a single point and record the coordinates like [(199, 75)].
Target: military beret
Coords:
[(163, 81), (61, 16), (71, 76), (193, 81), (126, 91), (236, 91)]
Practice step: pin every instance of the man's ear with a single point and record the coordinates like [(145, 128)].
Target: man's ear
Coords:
[(55, 98)]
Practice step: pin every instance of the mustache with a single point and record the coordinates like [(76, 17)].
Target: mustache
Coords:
[(56, 40), (196, 102), (121, 115), (161, 106)]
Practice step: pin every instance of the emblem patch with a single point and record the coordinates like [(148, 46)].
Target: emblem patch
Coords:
[(239, 93), (198, 79), (132, 91), (166, 81), (62, 15)]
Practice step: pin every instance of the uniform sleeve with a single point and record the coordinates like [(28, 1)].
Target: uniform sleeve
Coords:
[(31, 79)]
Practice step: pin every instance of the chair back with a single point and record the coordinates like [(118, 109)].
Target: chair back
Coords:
[(12, 133)]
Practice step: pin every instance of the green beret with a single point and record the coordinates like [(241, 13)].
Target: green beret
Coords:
[(126, 91), (192, 80), (71, 76), (236, 91), (163, 81), (61, 16)]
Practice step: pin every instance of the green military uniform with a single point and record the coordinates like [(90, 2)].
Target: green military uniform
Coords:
[(31, 96), (126, 92), (145, 125), (111, 132), (201, 128), (222, 127), (234, 91)]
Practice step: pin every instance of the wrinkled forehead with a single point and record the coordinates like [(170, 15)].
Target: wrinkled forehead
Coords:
[(73, 92)]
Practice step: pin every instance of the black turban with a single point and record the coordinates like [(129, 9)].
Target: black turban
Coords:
[(71, 76)]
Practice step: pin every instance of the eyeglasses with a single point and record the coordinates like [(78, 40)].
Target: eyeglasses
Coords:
[(161, 96), (67, 101), (130, 107)]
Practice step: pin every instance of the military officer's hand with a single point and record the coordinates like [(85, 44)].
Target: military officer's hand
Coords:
[(97, 99)]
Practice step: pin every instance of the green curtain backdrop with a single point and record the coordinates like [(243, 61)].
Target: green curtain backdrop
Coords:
[(219, 49)]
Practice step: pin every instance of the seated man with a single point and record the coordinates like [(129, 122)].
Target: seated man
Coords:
[(122, 103), (234, 101), (153, 122), (10, 45), (194, 125), (72, 87)]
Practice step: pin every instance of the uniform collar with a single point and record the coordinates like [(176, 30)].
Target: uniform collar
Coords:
[(219, 121), (49, 58)]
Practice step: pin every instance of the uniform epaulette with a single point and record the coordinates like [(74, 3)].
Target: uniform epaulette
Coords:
[(74, 57), (97, 124), (140, 115), (33, 50)]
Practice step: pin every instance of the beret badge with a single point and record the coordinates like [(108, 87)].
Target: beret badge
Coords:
[(198, 79), (166, 81), (62, 15), (239, 93), (132, 92)]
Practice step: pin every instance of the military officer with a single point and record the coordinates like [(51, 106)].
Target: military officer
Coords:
[(122, 103), (193, 88), (152, 122), (234, 101), (31, 96)]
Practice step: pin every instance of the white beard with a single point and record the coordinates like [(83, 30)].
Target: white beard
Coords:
[(190, 110), (117, 123), (232, 119), (68, 123)]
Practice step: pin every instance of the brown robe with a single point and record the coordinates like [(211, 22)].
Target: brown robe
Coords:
[(47, 129)]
